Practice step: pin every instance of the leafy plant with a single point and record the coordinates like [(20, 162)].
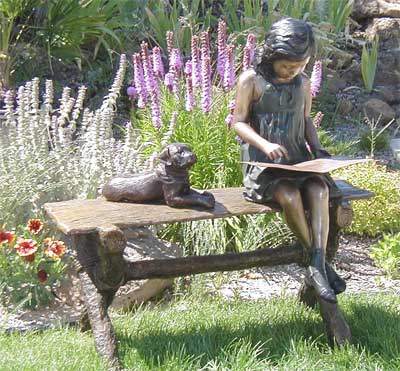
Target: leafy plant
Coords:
[(369, 60), (374, 139), (300, 9), (71, 24), (337, 147), (30, 264), (10, 11), (338, 13), (386, 254), (380, 213)]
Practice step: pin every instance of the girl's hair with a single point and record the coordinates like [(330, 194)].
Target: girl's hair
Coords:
[(288, 38)]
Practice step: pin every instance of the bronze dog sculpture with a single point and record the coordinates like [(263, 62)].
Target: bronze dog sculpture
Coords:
[(169, 181)]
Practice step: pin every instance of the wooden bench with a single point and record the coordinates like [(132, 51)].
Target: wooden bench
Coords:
[(97, 231)]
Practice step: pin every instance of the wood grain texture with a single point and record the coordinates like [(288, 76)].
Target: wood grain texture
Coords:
[(84, 216)]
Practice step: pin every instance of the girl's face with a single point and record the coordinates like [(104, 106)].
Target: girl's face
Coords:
[(286, 70)]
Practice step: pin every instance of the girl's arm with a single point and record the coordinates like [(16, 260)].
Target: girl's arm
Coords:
[(310, 130), (248, 90)]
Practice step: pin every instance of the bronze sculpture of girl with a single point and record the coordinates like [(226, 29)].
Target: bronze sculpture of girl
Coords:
[(273, 103)]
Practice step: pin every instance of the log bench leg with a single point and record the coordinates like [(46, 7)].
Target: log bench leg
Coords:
[(102, 272), (337, 329)]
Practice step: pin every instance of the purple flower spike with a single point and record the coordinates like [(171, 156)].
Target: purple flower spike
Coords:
[(155, 109), (229, 117), (149, 77), (205, 44), (188, 68), (139, 80), (251, 44), (246, 58), (170, 42), (221, 48), (229, 76), (206, 84), (131, 91), (169, 80), (189, 101), (176, 60), (158, 66), (316, 78), (318, 119), (196, 66)]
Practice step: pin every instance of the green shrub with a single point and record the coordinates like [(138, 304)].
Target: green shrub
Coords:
[(386, 254), (380, 213)]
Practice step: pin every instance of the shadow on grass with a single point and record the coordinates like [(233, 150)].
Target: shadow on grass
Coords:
[(375, 331)]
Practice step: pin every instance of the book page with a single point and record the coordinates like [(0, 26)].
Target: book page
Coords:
[(321, 165)]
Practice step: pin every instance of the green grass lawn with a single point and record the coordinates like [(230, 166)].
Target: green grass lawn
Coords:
[(197, 333)]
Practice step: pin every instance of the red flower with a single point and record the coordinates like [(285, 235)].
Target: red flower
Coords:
[(6, 237), (42, 276), (26, 249), (35, 225), (54, 249)]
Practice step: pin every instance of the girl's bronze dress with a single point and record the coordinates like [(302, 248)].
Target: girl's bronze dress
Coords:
[(279, 117)]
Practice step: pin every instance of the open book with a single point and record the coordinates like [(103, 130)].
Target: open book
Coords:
[(321, 165)]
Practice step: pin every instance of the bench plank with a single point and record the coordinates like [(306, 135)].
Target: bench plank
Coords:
[(84, 216)]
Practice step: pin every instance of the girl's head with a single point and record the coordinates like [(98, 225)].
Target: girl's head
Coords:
[(290, 40)]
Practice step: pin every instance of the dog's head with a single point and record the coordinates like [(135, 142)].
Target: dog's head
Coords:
[(178, 155)]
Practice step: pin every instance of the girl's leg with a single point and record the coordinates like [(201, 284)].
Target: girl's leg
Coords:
[(290, 199), (316, 193)]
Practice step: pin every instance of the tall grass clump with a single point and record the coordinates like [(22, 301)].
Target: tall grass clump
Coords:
[(50, 153)]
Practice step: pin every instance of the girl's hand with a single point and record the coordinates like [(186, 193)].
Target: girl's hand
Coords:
[(275, 151)]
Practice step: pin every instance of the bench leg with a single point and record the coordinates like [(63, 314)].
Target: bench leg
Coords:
[(97, 303)]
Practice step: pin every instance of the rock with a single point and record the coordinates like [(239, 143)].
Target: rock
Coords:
[(336, 84), (376, 109), (345, 107), (340, 59), (395, 147), (390, 94), (375, 9), (385, 28)]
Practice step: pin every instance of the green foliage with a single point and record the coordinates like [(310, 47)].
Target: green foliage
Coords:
[(300, 9), (369, 60), (374, 139), (183, 18), (69, 25), (29, 276), (338, 13), (380, 213), (386, 254), (336, 147)]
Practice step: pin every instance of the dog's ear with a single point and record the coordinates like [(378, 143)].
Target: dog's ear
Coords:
[(165, 156)]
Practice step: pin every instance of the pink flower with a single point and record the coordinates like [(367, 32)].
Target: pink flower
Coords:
[(26, 248), (54, 249), (229, 117), (175, 60), (155, 109), (6, 237), (149, 78), (131, 91), (196, 66), (229, 77), (189, 101), (221, 48), (169, 80), (316, 78), (318, 119), (205, 44), (35, 226), (246, 58), (206, 84), (139, 80), (251, 45), (158, 65), (170, 42), (42, 276)]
